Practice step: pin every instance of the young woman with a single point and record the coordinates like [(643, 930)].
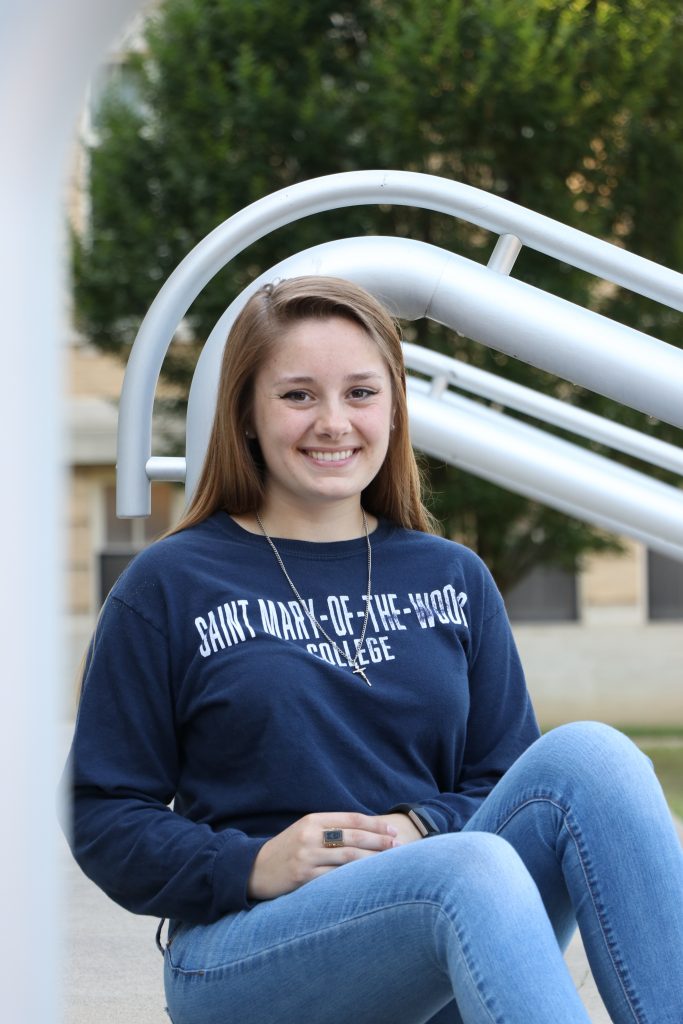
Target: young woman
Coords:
[(365, 822)]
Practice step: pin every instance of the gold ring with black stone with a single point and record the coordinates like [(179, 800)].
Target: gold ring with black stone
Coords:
[(332, 838)]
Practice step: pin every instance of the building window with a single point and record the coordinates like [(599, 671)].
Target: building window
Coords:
[(664, 587), (123, 538), (546, 594)]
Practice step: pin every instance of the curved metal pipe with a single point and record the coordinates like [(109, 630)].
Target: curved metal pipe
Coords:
[(338, 191), (415, 279), (557, 473)]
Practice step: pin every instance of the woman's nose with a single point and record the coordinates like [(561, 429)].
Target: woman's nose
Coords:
[(332, 420)]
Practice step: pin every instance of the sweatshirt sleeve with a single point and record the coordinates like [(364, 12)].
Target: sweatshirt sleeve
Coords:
[(500, 726), (123, 770)]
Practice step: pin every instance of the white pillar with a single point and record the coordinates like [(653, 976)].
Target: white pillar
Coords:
[(48, 50)]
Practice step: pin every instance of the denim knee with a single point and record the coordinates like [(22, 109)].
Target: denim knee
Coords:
[(483, 900), (591, 757), (594, 744), (477, 869)]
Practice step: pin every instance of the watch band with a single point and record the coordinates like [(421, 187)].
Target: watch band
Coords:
[(420, 817)]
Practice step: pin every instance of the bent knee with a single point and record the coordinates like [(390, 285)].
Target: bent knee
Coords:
[(592, 754), (579, 740), (489, 860), (481, 865)]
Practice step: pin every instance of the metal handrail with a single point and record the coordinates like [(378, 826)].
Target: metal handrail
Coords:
[(446, 372), (337, 191), (482, 302)]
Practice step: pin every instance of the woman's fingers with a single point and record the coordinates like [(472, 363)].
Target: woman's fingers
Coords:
[(351, 820), (361, 839), (303, 851), (361, 831)]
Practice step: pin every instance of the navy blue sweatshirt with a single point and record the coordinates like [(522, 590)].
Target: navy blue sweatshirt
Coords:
[(209, 689)]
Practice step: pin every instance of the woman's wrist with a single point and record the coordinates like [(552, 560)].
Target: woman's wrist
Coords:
[(406, 829), (421, 818)]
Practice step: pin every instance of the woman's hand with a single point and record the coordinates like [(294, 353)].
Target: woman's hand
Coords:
[(297, 855)]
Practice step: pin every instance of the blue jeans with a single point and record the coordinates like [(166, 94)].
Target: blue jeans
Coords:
[(469, 927)]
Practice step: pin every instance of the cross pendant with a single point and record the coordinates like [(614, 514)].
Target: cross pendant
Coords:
[(360, 672)]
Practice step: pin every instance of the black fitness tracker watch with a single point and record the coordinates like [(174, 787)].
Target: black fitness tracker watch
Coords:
[(420, 817)]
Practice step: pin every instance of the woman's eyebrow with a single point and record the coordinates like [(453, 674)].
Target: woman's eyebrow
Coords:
[(351, 378), (366, 375), (282, 381)]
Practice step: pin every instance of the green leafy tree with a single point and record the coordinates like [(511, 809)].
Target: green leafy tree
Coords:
[(572, 109)]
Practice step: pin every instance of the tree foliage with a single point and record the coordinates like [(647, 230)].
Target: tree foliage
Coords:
[(571, 108)]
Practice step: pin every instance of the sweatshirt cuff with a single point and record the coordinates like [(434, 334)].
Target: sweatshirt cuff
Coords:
[(445, 818), (232, 868)]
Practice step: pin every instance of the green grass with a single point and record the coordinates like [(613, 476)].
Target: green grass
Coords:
[(668, 762), (656, 732)]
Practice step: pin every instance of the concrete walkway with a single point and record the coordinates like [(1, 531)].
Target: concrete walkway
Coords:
[(112, 970)]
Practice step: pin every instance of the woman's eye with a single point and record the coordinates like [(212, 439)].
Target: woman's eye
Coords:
[(362, 393), (296, 396)]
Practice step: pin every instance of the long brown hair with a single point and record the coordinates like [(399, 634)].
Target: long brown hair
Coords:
[(232, 477)]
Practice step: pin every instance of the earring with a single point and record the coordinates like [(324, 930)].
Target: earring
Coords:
[(249, 434)]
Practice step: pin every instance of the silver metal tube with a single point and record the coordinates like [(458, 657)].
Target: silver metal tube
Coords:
[(575, 343), (170, 468), (338, 191), (547, 469), (505, 253), (499, 311), (551, 410)]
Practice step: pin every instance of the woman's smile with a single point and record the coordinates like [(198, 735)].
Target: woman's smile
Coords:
[(327, 456)]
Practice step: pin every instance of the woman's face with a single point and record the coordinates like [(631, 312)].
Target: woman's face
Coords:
[(322, 410)]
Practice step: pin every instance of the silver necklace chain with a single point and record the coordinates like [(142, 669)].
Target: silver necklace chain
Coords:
[(353, 663)]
